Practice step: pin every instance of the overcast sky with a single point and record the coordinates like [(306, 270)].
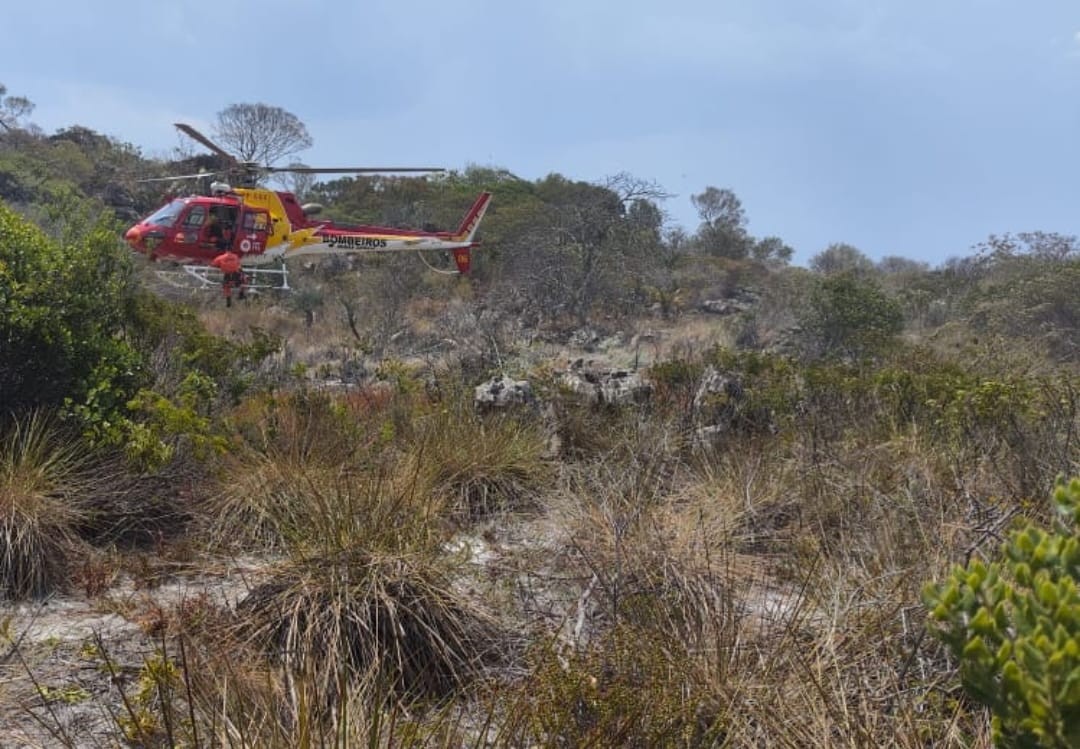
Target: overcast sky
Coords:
[(905, 127)]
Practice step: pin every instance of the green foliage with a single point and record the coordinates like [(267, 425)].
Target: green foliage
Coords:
[(1014, 625), (675, 381), (175, 403), (62, 307), (840, 258), (151, 439), (12, 108), (1032, 297), (141, 722), (852, 317), (620, 693)]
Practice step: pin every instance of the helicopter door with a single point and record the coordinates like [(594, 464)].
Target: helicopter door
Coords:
[(254, 227), (192, 226)]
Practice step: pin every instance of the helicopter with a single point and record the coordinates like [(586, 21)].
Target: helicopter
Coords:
[(265, 227)]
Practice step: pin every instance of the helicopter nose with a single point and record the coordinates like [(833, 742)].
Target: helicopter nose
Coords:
[(134, 237)]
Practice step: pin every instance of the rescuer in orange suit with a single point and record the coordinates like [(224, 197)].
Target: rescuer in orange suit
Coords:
[(228, 263)]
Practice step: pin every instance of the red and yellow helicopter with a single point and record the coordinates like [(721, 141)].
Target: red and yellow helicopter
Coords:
[(265, 227)]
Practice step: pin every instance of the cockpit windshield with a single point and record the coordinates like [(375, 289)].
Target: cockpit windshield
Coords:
[(167, 214)]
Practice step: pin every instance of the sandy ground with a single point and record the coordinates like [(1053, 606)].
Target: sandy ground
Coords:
[(56, 686)]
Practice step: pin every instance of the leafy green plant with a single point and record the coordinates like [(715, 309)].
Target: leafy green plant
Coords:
[(852, 317), (1014, 625), (633, 689), (62, 306)]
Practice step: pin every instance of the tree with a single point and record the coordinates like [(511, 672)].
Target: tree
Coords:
[(576, 246), (261, 133), (1037, 244), (12, 108), (299, 184), (600, 236), (851, 316), (716, 206), (841, 258), (894, 265), (723, 223), (771, 250)]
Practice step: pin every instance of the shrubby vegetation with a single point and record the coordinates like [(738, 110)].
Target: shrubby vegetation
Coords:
[(1014, 625), (734, 556)]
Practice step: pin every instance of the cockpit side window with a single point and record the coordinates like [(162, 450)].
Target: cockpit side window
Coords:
[(196, 217)]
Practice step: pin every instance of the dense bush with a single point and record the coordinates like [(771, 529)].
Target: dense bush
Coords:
[(852, 317), (62, 307), (1015, 627)]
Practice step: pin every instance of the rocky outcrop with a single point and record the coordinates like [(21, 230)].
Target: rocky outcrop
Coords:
[(605, 386), (502, 393), (716, 405), (740, 300)]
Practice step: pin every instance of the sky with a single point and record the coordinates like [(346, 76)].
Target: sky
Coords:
[(903, 127)]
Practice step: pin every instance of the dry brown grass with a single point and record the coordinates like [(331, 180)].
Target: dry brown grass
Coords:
[(375, 621), (480, 465), (44, 486), (779, 585), (763, 592), (316, 471)]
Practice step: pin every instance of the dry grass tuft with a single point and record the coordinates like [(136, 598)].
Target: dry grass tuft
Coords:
[(318, 472), (43, 483), (367, 621), (276, 505), (481, 465)]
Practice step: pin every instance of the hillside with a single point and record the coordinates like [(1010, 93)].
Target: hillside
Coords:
[(621, 486)]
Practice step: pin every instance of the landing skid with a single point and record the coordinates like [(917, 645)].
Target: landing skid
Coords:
[(205, 277)]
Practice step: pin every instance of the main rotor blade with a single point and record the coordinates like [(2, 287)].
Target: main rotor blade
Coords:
[(178, 177), (351, 170), (194, 134)]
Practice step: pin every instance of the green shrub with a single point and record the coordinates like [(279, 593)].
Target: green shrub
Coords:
[(852, 317), (62, 308), (633, 689), (1014, 625)]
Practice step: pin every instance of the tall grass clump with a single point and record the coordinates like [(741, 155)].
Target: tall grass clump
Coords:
[(480, 464), (311, 470), (363, 600), (650, 617), (374, 621), (43, 484)]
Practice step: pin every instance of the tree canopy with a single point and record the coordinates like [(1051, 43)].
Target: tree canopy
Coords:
[(261, 133)]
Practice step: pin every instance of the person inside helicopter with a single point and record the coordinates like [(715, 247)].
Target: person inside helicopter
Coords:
[(219, 229)]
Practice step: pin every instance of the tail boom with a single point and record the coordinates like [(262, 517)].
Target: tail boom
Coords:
[(328, 239), (469, 224)]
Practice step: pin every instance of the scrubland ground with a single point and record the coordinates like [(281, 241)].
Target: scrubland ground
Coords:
[(731, 555)]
